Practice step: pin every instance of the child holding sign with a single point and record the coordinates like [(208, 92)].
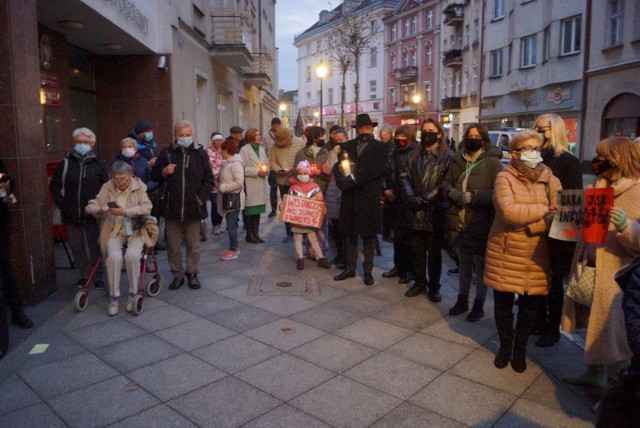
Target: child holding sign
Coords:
[(303, 186)]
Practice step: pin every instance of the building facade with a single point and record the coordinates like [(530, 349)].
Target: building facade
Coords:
[(533, 56), (288, 108), (106, 65), (413, 67), (461, 45), (612, 75), (314, 47)]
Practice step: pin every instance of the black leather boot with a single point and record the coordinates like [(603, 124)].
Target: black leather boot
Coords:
[(503, 313), (250, 238), (256, 228), (416, 290), (192, 281), (461, 306), (477, 312)]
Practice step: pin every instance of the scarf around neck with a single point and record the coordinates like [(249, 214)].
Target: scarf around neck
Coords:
[(531, 174)]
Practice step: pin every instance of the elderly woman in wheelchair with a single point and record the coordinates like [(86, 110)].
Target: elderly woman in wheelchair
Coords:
[(122, 206)]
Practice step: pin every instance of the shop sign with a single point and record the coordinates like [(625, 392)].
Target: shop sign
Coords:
[(559, 95)]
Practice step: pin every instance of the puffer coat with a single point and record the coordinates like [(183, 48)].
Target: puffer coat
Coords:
[(319, 159), (423, 177), (517, 259), (468, 225)]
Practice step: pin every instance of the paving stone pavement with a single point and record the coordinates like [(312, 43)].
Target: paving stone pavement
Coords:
[(352, 356)]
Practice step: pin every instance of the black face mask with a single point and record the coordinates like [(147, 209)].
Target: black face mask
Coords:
[(472, 144), (599, 166), (400, 142), (365, 138), (428, 138), (320, 143)]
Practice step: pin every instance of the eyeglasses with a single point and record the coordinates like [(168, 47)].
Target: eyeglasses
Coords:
[(542, 130), (120, 180), (528, 149)]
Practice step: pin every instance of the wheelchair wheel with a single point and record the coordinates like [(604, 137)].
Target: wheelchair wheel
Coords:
[(80, 301), (138, 304), (153, 289)]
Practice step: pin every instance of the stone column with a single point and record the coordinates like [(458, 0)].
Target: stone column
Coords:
[(23, 149)]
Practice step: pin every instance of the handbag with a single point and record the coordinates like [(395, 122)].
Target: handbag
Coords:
[(581, 283), (230, 201), (159, 200)]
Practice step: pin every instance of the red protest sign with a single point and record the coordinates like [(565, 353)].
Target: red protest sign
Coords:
[(302, 211), (597, 203)]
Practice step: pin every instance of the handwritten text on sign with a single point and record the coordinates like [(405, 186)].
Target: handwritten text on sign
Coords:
[(567, 223), (301, 211), (597, 203)]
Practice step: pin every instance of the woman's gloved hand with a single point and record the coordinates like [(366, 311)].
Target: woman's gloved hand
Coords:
[(619, 218)]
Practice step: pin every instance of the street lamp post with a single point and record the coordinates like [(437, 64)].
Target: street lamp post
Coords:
[(321, 72), (316, 114)]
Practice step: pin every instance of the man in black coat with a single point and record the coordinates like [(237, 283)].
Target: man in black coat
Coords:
[(186, 169), (360, 176)]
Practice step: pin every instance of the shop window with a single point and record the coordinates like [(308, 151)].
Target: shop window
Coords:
[(621, 117)]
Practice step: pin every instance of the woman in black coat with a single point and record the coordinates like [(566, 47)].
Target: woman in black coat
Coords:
[(361, 185), (565, 166), (420, 188)]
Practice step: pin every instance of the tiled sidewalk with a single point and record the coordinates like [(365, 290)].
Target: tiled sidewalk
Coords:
[(352, 356)]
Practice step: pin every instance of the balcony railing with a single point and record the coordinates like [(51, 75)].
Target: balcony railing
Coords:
[(451, 103), (453, 14), (452, 58), (406, 73), (231, 36), (259, 72)]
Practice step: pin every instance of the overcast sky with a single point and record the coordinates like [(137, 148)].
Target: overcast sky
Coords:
[(293, 17)]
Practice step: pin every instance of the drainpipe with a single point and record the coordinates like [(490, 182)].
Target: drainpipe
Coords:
[(585, 79), (481, 71)]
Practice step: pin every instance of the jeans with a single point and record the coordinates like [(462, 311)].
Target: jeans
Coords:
[(273, 190), (470, 264), (216, 219), (283, 191), (232, 229)]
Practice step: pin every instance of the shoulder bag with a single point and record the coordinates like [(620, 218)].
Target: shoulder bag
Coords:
[(582, 281)]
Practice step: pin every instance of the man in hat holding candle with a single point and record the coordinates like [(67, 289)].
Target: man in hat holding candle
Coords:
[(359, 174)]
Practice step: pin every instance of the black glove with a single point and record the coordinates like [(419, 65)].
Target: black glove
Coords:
[(430, 195), (415, 202), (345, 183)]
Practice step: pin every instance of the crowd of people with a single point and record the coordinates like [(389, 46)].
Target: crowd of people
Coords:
[(416, 190)]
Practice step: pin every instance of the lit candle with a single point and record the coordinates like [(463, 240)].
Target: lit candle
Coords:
[(263, 167), (314, 169), (346, 167)]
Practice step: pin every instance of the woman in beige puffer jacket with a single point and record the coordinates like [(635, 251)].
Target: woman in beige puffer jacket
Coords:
[(517, 260)]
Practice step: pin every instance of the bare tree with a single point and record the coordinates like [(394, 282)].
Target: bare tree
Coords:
[(526, 94), (349, 42)]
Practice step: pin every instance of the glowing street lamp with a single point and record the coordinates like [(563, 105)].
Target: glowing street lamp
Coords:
[(321, 72)]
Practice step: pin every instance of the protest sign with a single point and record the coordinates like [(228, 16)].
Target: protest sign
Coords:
[(567, 223), (302, 211), (597, 203)]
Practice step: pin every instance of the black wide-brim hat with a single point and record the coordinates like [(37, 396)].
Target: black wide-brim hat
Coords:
[(363, 119)]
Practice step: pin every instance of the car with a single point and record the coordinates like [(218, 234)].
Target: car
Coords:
[(500, 139)]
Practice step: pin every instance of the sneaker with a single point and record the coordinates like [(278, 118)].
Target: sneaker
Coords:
[(300, 264), (229, 255), (130, 303), (112, 311), (272, 214), (453, 272), (217, 230)]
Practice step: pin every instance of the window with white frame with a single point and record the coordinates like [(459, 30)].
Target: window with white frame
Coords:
[(406, 27), (392, 96), (474, 81), (428, 55), (427, 91), (467, 36), (308, 73), (465, 82), (414, 60), (614, 21), (405, 59), (444, 89), (571, 29), (373, 89), (528, 51), (373, 57), (429, 19), (392, 61), (455, 85), (308, 97), (318, 45), (414, 24), (546, 44), (498, 9), (394, 32), (495, 63), (330, 95), (476, 30)]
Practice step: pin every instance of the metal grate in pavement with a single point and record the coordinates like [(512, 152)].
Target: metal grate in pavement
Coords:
[(283, 285)]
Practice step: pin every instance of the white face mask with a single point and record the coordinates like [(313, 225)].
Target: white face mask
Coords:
[(128, 152), (531, 159), (315, 149), (303, 178)]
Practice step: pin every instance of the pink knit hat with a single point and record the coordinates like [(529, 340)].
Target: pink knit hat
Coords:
[(303, 165)]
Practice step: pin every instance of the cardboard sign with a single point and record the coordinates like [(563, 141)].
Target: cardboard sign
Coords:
[(597, 203), (567, 223), (302, 211)]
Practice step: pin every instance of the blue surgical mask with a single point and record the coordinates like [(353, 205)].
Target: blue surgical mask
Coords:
[(184, 142), (82, 149), (149, 137)]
